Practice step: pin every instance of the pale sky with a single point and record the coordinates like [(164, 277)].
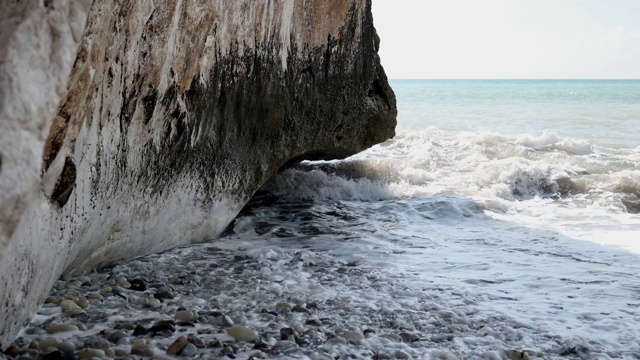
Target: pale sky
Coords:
[(497, 39)]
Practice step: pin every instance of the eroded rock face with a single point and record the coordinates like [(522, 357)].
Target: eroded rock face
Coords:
[(153, 126)]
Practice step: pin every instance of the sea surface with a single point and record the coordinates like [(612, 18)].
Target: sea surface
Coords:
[(511, 204), (501, 222)]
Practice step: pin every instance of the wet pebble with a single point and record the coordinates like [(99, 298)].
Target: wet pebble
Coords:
[(177, 345), (352, 335), (283, 307), (58, 328), (116, 335), (189, 350), (49, 341), (89, 353), (242, 333), (222, 320), (96, 343), (163, 294), (138, 285), (281, 345), (67, 347), (94, 296), (69, 305), (12, 351), (186, 315)]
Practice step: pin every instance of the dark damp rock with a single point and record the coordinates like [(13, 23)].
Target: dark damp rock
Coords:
[(260, 345), (12, 351), (265, 311), (138, 285), (162, 330), (408, 337), (198, 342), (58, 355), (301, 342), (142, 352), (313, 322), (368, 333), (222, 320), (300, 309), (116, 335), (215, 343), (328, 322), (163, 294), (166, 322), (139, 330), (186, 324), (97, 343), (228, 351), (189, 350), (285, 333), (284, 345)]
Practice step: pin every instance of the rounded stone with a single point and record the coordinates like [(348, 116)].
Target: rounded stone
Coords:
[(177, 345), (94, 296), (298, 328), (116, 335), (83, 303), (186, 315), (138, 285), (163, 294), (241, 333), (12, 351), (69, 305), (58, 328), (222, 320), (189, 350), (352, 335), (283, 307), (120, 352), (96, 343), (89, 353), (48, 350), (49, 341), (139, 344), (67, 346)]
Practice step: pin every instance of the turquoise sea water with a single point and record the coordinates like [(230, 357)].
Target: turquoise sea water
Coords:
[(606, 112)]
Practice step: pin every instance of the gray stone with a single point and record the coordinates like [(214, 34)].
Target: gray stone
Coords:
[(177, 345), (189, 350), (91, 354), (96, 343), (242, 333), (67, 346), (57, 328)]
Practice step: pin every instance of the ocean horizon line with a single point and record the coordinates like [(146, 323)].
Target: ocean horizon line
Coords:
[(514, 79)]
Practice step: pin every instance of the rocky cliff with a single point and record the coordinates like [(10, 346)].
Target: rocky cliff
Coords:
[(129, 127)]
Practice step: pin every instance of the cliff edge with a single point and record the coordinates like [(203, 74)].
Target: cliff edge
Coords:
[(128, 128)]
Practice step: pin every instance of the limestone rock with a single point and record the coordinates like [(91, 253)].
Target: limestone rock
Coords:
[(128, 128)]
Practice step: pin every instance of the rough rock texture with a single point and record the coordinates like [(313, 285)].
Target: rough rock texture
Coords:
[(129, 127)]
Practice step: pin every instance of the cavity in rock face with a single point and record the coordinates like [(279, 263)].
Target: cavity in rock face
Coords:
[(146, 125)]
